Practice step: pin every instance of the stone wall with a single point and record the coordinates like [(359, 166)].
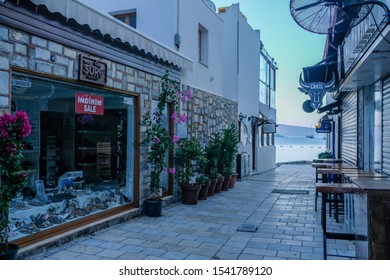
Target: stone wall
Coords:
[(208, 113), (22, 51)]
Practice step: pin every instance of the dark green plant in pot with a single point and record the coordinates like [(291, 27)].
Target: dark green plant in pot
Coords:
[(214, 154), (187, 155), (229, 144), (202, 179), (13, 178), (326, 154)]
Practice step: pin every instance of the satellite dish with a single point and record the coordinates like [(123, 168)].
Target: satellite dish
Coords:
[(329, 16), (307, 107)]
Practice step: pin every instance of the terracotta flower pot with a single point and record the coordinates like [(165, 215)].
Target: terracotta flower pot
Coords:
[(233, 180), (225, 185), (190, 193), (218, 186), (213, 183), (204, 191)]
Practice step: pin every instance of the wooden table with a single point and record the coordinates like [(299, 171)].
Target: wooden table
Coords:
[(331, 188), (372, 216)]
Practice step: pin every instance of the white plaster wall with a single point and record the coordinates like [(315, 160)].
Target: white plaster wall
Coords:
[(249, 69), (230, 52), (266, 158), (241, 61), (155, 18), (208, 78), (158, 19)]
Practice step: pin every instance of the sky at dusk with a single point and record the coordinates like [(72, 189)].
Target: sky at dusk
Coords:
[(292, 48)]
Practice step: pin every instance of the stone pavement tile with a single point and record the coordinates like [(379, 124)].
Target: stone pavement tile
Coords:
[(206, 252), (288, 254), (110, 254), (107, 236), (259, 245), (291, 242), (196, 257), (88, 257), (215, 240), (155, 252), (280, 247), (172, 247), (131, 256), (213, 246), (91, 241), (64, 255), (226, 256), (266, 240), (155, 258), (312, 256), (112, 245), (131, 248), (132, 241), (85, 249), (190, 243), (173, 255), (231, 249), (249, 257), (261, 252), (302, 249)]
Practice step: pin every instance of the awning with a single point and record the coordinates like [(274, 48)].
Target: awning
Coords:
[(320, 73), (84, 14), (328, 107)]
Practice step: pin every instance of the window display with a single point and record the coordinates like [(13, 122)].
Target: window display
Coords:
[(79, 156)]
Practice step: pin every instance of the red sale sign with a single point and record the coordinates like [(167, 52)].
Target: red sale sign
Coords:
[(89, 104)]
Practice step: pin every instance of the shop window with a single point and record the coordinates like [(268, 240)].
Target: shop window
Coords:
[(81, 151)]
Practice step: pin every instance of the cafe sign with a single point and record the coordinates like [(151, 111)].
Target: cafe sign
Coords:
[(92, 70), (324, 126), (89, 104)]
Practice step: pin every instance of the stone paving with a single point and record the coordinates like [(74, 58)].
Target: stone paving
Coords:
[(280, 203)]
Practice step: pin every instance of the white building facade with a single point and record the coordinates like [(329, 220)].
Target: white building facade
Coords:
[(229, 61)]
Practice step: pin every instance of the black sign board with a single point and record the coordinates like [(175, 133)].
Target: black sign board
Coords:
[(326, 127), (92, 70), (269, 128)]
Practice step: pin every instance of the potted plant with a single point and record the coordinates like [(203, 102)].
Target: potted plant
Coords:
[(211, 154), (159, 141), (204, 183), (230, 141), (13, 178), (213, 181), (326, 154), (187, 155)]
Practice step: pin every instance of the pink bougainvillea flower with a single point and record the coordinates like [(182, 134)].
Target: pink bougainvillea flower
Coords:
[(183, 117), (174, 116), (172, 171), (175, 138), (188, 94)]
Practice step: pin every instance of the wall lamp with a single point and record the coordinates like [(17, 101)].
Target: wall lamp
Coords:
[(241, 117)]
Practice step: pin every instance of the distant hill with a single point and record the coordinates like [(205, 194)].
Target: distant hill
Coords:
[(296, 131)]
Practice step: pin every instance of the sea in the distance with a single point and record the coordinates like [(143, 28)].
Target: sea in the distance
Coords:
[(296, 148)]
